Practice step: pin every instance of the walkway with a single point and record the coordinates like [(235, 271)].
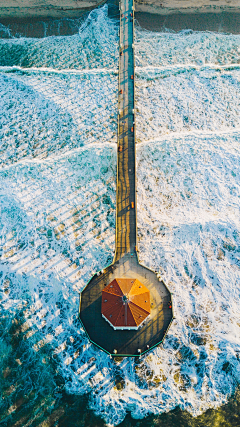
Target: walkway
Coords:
[(126, 185), (126, 264)]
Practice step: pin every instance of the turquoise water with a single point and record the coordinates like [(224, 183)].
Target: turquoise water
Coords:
[(58, 132)]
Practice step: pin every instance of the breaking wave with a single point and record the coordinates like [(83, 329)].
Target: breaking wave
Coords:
[(57, 223)]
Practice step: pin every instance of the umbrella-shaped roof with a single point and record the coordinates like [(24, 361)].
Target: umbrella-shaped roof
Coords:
[(125, 303)]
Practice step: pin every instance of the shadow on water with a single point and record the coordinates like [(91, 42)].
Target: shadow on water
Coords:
[(222, 22), (33, 392), (39, 27), (31, 387)]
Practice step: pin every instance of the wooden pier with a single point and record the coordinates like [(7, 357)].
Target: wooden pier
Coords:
[(126, 264)]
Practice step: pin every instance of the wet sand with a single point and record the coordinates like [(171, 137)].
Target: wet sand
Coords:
[(227, 22), (38, 27), (35, 27), (51, 405), (46, 8), (223, 21), (168, 7)]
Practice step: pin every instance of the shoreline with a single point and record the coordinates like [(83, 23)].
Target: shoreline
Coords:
[(168, 7), (29, 9), (224, 22), (185, 11), (23, 9)]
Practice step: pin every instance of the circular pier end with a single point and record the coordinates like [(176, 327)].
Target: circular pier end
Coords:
[(99, 301)]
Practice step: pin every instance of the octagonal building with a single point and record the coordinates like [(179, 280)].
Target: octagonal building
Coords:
[(125, 303), (126, 308)]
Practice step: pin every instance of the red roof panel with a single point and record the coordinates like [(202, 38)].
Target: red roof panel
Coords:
[(125, 302)]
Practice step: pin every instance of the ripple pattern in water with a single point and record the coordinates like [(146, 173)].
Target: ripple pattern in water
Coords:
[(57, 224)]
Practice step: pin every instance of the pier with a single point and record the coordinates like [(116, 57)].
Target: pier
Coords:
[(126, 341)]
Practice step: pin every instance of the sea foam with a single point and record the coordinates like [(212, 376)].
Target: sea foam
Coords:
[(58, 171)]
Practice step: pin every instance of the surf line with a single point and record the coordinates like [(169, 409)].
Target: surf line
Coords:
[(126, 309)]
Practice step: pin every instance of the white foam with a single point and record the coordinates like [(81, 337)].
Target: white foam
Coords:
[(58, 209), (55, 113), (186, 101), (49, 70), (96, 45), (196, 48)]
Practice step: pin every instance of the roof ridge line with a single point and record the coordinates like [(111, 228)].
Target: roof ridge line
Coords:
[(112, 293), (138, 306), (137, 324), (118, 315), (138, 294), (145, 289)]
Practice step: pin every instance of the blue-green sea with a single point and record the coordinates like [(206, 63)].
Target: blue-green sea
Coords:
[(58, 135)]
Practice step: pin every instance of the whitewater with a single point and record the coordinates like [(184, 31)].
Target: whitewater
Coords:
[(58, 131)]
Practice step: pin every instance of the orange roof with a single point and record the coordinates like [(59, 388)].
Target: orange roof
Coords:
[(125, 303)]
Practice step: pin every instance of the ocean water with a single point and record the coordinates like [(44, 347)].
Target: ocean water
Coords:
[(57, 225)]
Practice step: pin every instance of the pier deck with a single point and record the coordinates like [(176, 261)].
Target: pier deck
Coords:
[(126, 264), (126, 182)]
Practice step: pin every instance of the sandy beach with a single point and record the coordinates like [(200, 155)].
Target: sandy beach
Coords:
[(74, 8), (46, 8), (224, 22), (40, 18), (177, 15), (167, 7)]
